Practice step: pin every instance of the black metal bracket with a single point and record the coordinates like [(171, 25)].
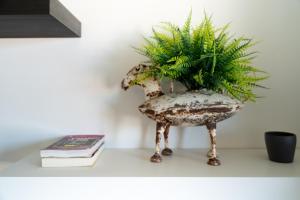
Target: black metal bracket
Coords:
[(37, 19)]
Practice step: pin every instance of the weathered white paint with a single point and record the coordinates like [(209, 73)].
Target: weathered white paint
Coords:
[(151, 86), (170, 106), (167, 143), (192, 99), (213, 135), (159, 134)]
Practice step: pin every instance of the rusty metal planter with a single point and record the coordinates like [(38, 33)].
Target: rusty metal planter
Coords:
[(191, 108)]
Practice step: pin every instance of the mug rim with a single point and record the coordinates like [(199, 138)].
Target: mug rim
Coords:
[(280, 133)]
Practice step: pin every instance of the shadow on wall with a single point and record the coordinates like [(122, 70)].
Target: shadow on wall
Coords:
[(15, 148), (121, 106)]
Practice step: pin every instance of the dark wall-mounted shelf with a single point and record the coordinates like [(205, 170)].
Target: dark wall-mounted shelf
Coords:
[(37, 19)]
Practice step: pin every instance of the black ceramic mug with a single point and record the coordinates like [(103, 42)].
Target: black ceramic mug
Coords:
[(281, 146)]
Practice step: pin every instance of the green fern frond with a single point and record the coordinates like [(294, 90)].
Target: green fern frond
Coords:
[(203, 57)]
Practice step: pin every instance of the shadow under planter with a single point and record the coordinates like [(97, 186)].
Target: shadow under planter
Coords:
[(280, 146)]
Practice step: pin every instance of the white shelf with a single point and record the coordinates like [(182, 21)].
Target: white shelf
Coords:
[(184, 163)]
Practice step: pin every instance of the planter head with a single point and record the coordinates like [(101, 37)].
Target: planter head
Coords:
[(133, 76)]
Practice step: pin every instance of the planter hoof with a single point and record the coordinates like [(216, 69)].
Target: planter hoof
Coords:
[(167, 152), (156, 158), (214, 162)]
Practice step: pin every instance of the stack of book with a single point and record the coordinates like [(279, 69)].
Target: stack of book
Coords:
[(73, 151)]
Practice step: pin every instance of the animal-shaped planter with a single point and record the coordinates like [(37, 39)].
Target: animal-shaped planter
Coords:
[(193, 108)]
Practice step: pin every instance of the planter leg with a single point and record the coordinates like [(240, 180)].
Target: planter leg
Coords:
[(160, 129), (213, 152), (167, 151), (209, 153)]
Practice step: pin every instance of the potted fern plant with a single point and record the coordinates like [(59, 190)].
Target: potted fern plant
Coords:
[(203, 57), (215, 68)]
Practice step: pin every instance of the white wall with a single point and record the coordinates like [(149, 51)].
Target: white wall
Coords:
[(53, 87)]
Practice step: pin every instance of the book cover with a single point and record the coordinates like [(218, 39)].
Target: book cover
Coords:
[(75, 142), (74, 146)]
